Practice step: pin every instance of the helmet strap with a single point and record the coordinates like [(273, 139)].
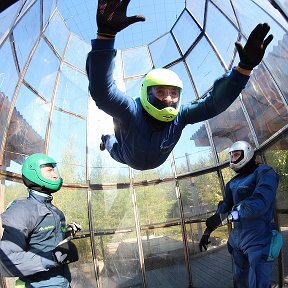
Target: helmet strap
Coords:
[(33, 186)]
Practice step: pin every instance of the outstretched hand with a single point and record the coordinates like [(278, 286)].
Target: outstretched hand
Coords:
[(253, 52), (111, 17)]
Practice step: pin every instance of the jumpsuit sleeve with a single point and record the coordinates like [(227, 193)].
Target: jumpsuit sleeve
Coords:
[(263, 197), (226, 204), (100, 66), (14, 252), (225, 90)]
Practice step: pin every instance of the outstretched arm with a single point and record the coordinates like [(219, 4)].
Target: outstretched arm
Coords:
[(111, 18), (227, 89)]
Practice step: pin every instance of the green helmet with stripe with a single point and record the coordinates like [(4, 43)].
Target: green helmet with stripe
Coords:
[(160, 77), (32, 176)]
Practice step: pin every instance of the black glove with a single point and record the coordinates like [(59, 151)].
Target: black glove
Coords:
[(253, 52), (111, 17), (65, 252), (73, 228), (215, 220), (204, 242)]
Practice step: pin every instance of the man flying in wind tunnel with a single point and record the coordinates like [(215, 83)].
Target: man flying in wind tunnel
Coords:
[(148, 128)]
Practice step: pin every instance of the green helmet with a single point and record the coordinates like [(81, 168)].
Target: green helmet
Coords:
[(160, 77), (31, 170)]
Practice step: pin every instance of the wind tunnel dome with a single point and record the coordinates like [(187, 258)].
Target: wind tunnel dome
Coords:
[(141, 228)]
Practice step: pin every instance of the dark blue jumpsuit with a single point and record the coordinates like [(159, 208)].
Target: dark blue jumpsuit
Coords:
[(253, 196), (33, 227), (138, 142)]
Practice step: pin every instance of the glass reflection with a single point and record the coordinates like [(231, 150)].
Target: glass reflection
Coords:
[(164, 51), (224, 45), (278, 65), (229, 127), (72, 91), (226, 8), (164, 256), (68, 146), (44, 80), (13, 190), (197, 9), (57, 33), (277, 157), (188, 92), (184, 24), (157, 204), (7, 18), (26, 133), (48, 8), (265, 107), (77, 51), (26, 33), (204, 66), (193, 151), (8, 81), (136, 61)]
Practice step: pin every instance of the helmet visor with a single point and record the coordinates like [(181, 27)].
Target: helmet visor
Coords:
[(50, 171), (236, 156), (161, 96)]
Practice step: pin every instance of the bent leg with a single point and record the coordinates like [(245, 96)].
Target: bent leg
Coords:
[(112, 146)]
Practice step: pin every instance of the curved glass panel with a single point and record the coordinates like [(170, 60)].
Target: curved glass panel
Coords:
[(13, 190), (185, 23), (48, 8), (265, 107), (278, 65), (72, 91), (193, 151), (226, 8), (277, 156), (57, 33), (104, 169), (68, 145), (228, 127), (7, 19), (77, 51), (44, 80), (136, 61), (217, 25), (249, 15), (164, 51), (158, 173), (8, 81), (26, 33), (133, 87), (197, 9), (26, 133), (204, 66), (188, 93)]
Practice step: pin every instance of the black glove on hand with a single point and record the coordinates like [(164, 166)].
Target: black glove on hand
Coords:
[(253, 52), (215, 220), (204, 242), (65, 252), (73, 228), (111, 17)]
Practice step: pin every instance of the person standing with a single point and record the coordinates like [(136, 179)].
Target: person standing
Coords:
[(33, 245), (249, 202)]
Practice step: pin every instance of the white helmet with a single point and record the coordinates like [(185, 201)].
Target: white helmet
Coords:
[(246, 156)]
